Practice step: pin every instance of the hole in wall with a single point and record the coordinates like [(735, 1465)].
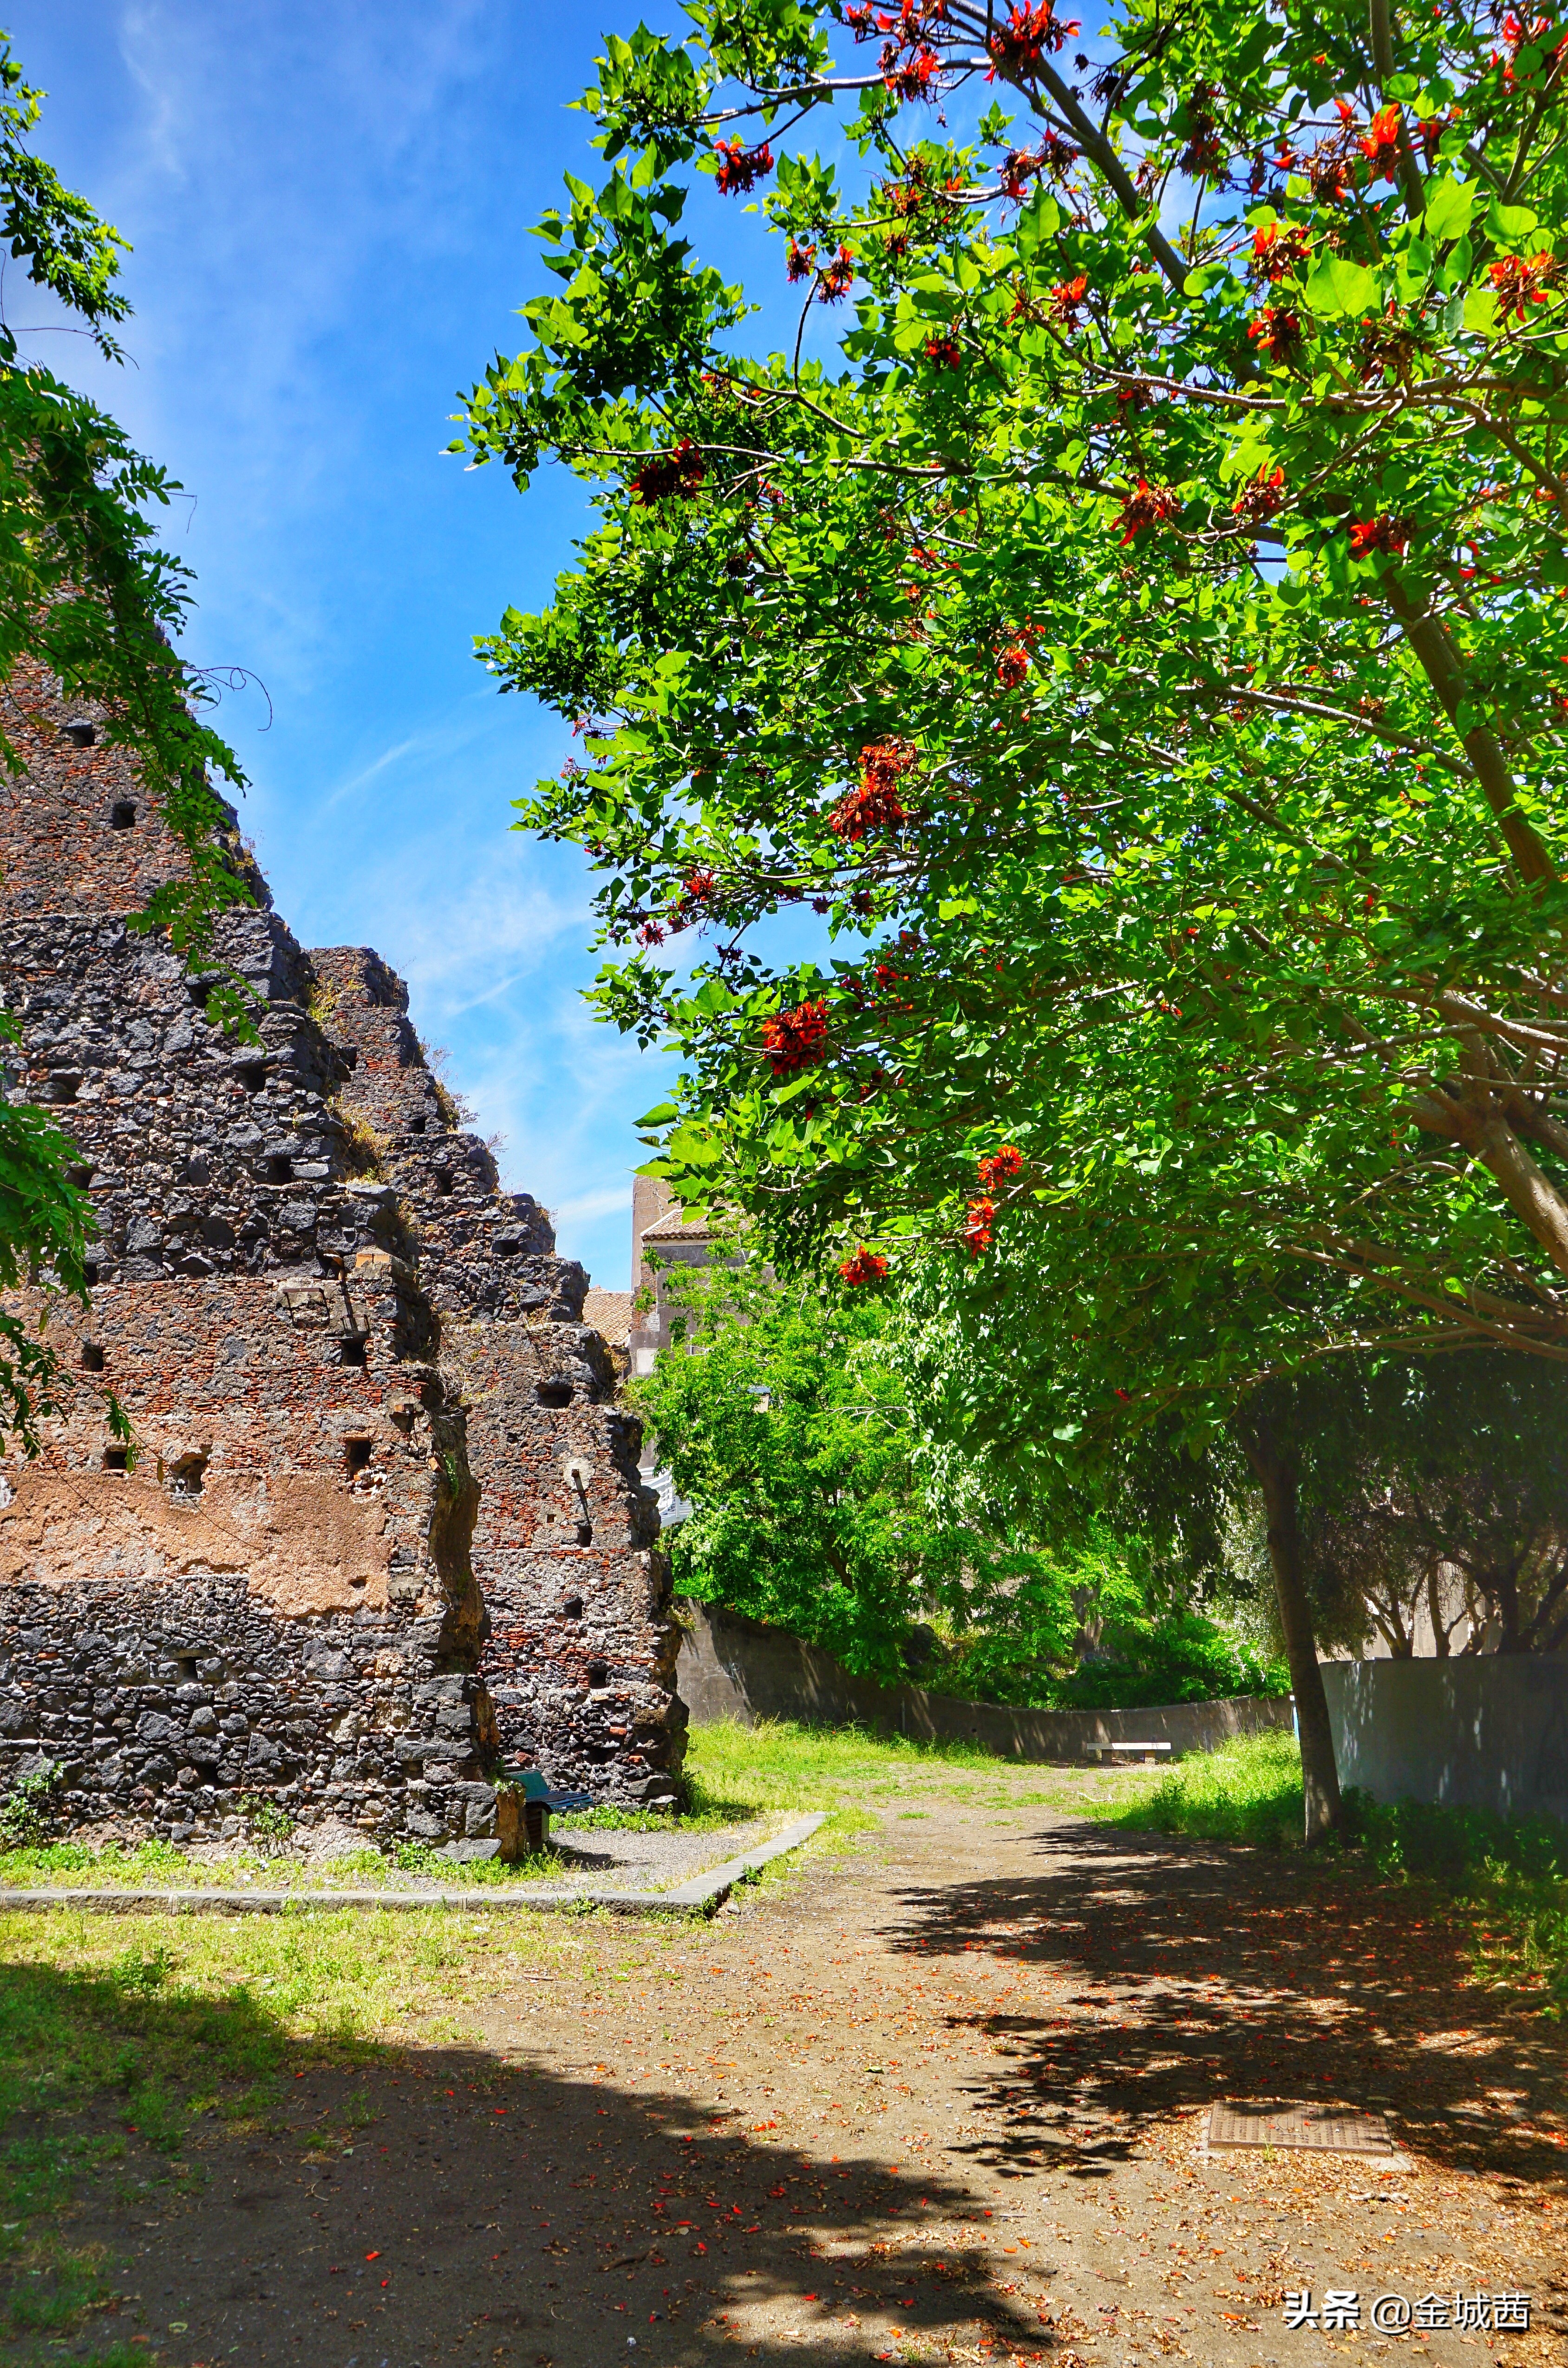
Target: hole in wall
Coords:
[(573, 1608), (252, 1074), (92, 1356), (64, 1086), (80, 733), (185, 1476), (355, 1456), (556, 1392), (185, 1664), (442, 1179), (417, 1125), (89, 1271), (117, 1458), (278, 1169), (122, 815), (80, 1177), (351, 1349), (507, 1245), (599, 1675)]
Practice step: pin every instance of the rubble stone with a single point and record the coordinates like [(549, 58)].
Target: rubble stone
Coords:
[(337, 1341)]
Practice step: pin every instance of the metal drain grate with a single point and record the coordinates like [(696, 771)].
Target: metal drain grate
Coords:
[(1323, 2129)]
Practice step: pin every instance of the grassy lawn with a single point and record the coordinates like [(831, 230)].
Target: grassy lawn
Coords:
[(1507, 1877)]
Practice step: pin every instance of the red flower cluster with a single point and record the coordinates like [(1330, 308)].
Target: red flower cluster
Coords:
[(977, 1227), (1204, 151), (1381, 145), (1277, 250), (1378, 534), (739, 168), (1065, 299), (679, 471), (865, 1266), (1149, 505), (1021, 44), (652, 933), (945, 352), (911, 76), (998, 1166), (838, 277), (1262, 500), (794, 1040), (1278, 331), (1012, 666), (802, 260), (876, 804), (1519, 283)]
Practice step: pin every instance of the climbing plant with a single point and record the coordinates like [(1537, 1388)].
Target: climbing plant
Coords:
[(87, 595)]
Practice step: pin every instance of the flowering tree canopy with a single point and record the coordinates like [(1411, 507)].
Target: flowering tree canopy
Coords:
[(1144, 646)]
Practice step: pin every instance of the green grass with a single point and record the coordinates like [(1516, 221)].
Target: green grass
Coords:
[(733, 1771), (1506, 1877)]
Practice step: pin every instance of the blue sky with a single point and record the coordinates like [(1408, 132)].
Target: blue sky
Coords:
[(329, 202)]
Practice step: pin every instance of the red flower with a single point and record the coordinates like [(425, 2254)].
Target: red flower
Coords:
[(865, 1266), (911, 77), (652, 933), (1380, 145), (741, 168), (997, 1165), (1263, 499), (1065, 299), (838, 277), (1012, 666), (977, 1227), (945, 352), (1277, 250), (678, 472), (802, 260), (794, 1040), (699, 887), (1278, 332), (1378, 534), (1149, 505), (1020, 46), (1519, 283), (876, 804)]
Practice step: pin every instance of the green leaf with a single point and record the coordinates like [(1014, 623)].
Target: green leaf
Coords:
[(1448, 208), (661, 1114), (1335, 288)]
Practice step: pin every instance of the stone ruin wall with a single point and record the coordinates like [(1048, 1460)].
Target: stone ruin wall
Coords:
[(339, 1343)]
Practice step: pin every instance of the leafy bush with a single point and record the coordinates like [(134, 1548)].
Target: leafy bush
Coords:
[(26, 1807)]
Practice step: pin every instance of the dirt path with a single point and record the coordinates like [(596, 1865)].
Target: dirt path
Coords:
[(940, 2098)]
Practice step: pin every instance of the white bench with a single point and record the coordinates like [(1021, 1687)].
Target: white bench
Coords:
[(1128, 1751)]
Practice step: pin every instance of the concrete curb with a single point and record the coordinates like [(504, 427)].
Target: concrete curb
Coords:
[(700, 1896)]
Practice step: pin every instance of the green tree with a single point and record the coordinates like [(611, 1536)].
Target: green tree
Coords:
[(1439, 1489), (86, 593), (781, 1417), (1144, 640)]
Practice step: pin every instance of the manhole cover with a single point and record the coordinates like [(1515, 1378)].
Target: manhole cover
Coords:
[(1326, 2129)]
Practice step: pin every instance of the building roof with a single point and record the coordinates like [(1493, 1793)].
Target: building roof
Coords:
[(610, 1313), (679, 1229)]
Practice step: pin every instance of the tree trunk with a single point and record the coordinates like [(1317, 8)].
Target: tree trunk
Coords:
[(1273, 1467)]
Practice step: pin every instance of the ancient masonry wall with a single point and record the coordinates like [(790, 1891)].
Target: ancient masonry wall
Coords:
[(337, 1341)]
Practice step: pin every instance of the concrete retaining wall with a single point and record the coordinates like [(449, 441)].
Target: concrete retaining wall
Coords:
[(730, 1666), (1489, 1731)]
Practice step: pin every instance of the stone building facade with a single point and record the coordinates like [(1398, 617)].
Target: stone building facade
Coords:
[(383, 1533)]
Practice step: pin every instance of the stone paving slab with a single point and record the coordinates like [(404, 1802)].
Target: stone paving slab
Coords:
[(700, 1893)]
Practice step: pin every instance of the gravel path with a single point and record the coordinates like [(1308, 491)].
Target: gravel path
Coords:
[(939, 2100)]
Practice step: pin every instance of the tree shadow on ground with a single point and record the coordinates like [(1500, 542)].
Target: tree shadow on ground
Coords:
[(390, 2207), (1235, 1974)]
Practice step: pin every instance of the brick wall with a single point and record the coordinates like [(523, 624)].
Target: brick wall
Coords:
[(338, 1341)]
